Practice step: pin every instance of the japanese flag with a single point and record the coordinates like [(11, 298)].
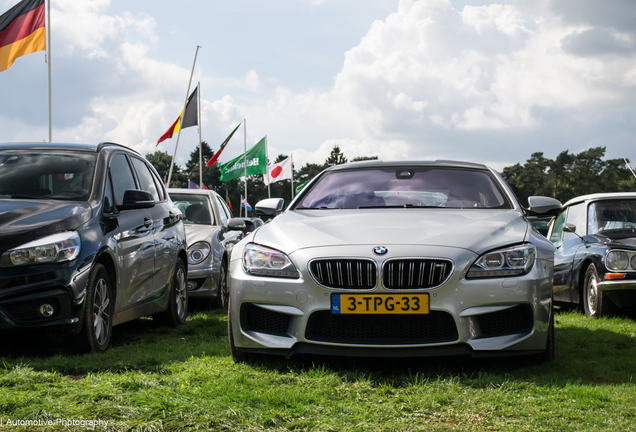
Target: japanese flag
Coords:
[(280, 171)]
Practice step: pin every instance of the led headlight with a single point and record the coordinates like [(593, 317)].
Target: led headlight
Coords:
[(510, 261), (198, 252), (55, 248), (262, 261)]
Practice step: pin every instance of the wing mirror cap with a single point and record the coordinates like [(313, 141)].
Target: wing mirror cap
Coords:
[(544, 206), (236, 224), (269, 208), (136, 199)]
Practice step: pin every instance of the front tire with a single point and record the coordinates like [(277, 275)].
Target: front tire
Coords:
[(595, 302), (98, 312), (222, 292), (177, 311)]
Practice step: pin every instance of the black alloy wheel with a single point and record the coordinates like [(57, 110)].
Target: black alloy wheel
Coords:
[(222, 291)]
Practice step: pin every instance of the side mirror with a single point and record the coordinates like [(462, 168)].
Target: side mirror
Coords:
[(236, 224), (568, 227), (136, 199), (270, 207), (540, 205)]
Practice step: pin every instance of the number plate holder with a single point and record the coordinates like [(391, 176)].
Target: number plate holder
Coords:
[(380, 304)]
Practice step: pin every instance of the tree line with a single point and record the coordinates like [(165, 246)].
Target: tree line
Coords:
[(233, 190), (567, 176)]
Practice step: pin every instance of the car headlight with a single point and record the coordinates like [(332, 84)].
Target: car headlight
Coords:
[(263, 261), (510, 261), (198, 252), (617, 260), (56, 248)]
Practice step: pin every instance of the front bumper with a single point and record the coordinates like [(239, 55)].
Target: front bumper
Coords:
[(479, 317), (621, 292), (24, 290), (202, 282)]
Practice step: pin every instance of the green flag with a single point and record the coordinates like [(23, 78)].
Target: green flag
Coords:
[(301, 186), (256, 163)]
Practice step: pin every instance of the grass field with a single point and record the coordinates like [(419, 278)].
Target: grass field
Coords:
[(161, 379)]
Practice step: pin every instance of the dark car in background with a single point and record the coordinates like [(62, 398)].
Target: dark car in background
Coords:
[(212, 232), (89, 239), (595, 256)]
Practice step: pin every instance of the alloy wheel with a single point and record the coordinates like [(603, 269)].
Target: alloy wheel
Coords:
[(101, 316)]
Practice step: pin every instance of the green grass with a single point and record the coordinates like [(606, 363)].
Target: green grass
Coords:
[(159, 379)]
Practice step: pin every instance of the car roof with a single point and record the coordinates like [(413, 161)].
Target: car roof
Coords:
[(390, 164), (95, 148), (190, 191), (600, 196)]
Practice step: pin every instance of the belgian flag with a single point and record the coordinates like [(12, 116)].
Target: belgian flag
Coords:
[(21, 31), (190, 118)]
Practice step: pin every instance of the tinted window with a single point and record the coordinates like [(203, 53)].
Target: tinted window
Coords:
[(160, 188), (108, 196), (195, 208), (56, 175), (576, 216), (122, 177), (406, 187), (145, 178)]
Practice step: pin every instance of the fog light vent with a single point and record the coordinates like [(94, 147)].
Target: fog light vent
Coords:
[(46, 310)]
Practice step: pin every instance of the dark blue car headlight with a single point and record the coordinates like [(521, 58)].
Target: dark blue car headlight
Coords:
[(510, 261), (56, 248)]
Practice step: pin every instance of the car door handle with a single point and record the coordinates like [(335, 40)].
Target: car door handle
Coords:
[(147, 222)]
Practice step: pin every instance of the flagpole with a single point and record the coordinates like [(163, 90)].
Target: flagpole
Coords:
[(47, 23), (245, 160), (291, 155), (185, 103), (199, 124), (267, 168)]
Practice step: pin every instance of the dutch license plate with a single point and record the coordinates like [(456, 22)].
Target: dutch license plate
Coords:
[(379, 304)]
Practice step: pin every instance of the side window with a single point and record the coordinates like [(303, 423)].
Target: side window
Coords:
[(122, 176), (108, 196), (557, 230), (225, 208), (160, 188), (576, 216), (145, 178), (223, 213)]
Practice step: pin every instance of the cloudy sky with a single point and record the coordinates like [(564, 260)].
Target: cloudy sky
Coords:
[(401, 79)]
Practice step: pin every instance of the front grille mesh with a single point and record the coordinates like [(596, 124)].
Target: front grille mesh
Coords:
[(435, 327), (515, 320), (416, 273), (344, 273)]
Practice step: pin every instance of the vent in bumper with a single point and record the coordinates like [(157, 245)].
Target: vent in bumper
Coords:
[(261, 320), (416, 273), (518, 319), (344, 273), (436, 327)]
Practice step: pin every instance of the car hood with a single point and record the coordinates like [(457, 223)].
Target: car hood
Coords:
[(475, 230), (195, 233), (24, 220)]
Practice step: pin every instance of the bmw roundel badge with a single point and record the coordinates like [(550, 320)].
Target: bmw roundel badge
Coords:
[(380, 250)]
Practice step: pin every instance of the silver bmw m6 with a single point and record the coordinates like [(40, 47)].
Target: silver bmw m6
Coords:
[(395, 259)]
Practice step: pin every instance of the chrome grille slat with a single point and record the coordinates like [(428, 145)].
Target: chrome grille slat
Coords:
[(344, 273), (415, 273)]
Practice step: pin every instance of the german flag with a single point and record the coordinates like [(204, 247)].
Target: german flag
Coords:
[(21, 31)]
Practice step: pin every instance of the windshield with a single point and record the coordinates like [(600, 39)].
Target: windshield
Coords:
[(55, 175), (195, 208), (611, 215), (405, 187)]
